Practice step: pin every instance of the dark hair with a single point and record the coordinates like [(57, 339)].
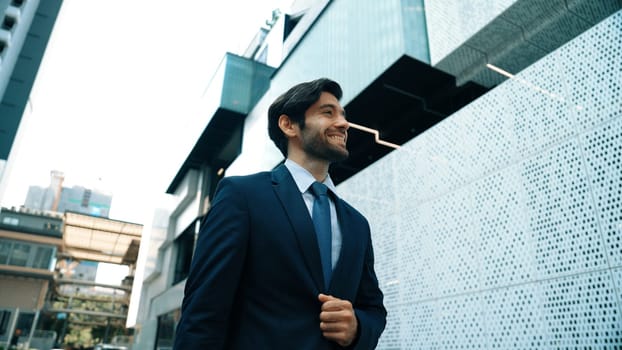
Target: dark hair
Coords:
[(294, 103)]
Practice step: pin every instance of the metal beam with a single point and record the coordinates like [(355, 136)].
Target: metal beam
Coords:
[(88, 312), (92, 284)]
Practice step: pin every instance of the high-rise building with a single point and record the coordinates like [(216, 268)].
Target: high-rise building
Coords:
[(484, 144), (25, 28), (61, 199)]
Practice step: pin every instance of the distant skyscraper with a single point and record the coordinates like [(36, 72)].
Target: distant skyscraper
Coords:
[(61, 199)]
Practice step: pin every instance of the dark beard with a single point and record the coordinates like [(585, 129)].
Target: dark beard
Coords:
[(317, 149)]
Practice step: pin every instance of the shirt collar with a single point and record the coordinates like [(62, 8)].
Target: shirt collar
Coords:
[(304, 179)]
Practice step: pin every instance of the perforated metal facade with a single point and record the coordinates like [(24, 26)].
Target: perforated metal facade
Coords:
[(501, 227)]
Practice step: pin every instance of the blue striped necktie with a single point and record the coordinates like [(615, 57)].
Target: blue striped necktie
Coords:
[(321, 221)]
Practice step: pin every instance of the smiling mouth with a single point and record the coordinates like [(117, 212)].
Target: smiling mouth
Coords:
[(339, 138)]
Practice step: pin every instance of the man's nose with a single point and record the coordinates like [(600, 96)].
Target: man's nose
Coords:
[(342, 122)]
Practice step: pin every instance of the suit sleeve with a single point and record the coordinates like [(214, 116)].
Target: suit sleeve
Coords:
[(368, 306), (215, 272)]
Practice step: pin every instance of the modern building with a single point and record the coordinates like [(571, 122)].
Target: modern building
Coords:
[(78, 303), (48, 267), (29, 242), (485, 151), (56, 197), (25, 28)]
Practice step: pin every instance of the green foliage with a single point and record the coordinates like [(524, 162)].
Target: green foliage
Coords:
[(87, 330), (80, 336)]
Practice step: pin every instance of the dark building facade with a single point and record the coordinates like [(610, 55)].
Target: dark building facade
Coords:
[(25, 28)]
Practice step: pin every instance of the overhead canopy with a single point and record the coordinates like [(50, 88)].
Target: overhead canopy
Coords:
[(99, 239)]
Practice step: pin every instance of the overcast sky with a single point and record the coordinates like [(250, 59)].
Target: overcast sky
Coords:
[(117, 93)]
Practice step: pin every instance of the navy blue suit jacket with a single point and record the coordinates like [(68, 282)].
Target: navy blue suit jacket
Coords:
[(256, 272)]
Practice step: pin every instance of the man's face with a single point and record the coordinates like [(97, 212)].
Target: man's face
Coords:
[(325, 132)]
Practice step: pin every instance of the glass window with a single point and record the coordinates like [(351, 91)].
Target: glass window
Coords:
[(5, 250), (184, 244), (25, 323), (43, 258), (19, 255), (166, 330), (10, 220), (17, 3), (8, 23), (5, 319)]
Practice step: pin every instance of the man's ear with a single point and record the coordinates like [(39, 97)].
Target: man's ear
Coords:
[(289, 128)]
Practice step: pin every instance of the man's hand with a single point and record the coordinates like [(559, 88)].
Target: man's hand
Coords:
[(337, 320)]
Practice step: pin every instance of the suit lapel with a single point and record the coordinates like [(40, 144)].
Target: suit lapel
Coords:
[(350, 247), (293, 204)]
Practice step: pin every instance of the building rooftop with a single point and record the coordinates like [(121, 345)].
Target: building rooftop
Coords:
[(88, 237)]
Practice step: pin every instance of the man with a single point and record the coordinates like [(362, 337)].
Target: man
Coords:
[(279, 265), (15, 339)]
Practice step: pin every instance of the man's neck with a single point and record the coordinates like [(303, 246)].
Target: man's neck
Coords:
[(317, 168)]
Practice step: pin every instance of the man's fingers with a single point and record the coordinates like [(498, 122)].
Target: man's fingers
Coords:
[(330, 303), (332, 326), (337, 319), (324, 298), (333, 306), (333, 316)]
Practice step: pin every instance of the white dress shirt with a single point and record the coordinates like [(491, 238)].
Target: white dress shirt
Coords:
[(304, 179)]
